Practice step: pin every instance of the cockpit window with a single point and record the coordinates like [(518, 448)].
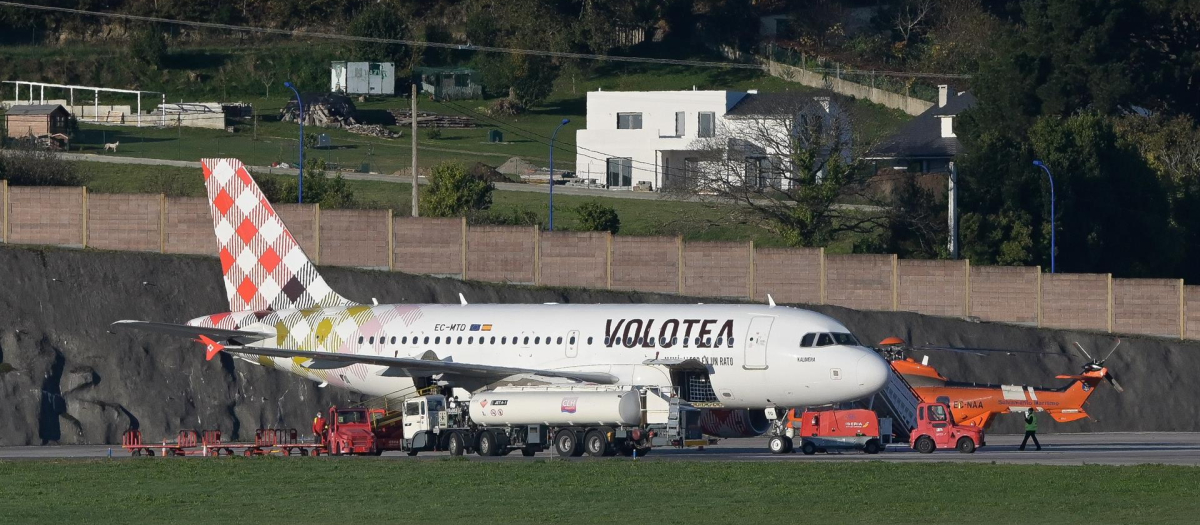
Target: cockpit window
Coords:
[(845, 339), (807, 340), (824, 340)]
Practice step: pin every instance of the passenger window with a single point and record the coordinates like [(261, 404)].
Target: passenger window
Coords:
[(674, 341), (807, 340), (537, 340), (937, 413), (437, 340), (921, 413), (824, 340), (393, 339), (730, 342), (607, 341), (360, 339), (685, 342), (718, 341), (641, 341), (404, 340), (503, 340), (589, 340), (493, 339), (628, 341), (426, 339), (560, 340), (471, 340), (572, 341), (460, 339), (526, 339)]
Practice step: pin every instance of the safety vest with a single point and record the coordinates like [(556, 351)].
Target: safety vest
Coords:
[(1031, 422)]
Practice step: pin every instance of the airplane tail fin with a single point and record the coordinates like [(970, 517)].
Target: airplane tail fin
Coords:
[(263, 265)]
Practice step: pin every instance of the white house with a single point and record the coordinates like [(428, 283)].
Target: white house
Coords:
[(650, 139)]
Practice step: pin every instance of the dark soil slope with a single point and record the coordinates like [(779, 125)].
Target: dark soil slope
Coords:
[(65, 379)]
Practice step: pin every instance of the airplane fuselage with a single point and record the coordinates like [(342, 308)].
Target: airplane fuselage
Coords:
[(753, 354)]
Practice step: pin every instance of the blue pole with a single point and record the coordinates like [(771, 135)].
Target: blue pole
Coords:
[(300, 170), (552, 136), (1053, 249)]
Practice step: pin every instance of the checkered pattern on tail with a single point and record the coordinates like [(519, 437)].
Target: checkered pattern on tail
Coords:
[(264, 266)]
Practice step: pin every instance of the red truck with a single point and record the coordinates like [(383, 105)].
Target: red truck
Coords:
[(936, 429), (351, 431)]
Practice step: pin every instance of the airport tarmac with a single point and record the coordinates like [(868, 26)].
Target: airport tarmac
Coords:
[(1132, 448)]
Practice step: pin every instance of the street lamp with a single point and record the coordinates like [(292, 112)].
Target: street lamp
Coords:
[(1053, 249), (552, 135), (300, 104)]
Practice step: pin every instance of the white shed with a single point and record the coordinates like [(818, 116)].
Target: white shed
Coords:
[(363, 78)]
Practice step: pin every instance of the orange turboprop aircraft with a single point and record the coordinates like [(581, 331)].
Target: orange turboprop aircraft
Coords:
[(976, 404)]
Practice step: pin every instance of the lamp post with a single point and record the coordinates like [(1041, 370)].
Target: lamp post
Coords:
[(552, 136), (300, 170), (1053, 249)]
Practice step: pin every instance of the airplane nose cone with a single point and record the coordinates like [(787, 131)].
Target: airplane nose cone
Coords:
[(872, 373)]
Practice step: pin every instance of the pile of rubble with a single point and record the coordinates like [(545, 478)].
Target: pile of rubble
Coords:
[(427, 119), (373, 130), (325, 110)]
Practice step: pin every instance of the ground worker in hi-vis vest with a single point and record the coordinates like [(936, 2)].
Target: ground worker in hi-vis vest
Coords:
[(1030, 430)]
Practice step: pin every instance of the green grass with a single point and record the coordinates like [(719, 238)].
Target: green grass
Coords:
[(305, 490), (694, 221)]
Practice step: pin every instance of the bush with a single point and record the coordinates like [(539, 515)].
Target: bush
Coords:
[(514, 217), (148, 46), (596, 217), (433, 133), (38, 167), (318, 187), (453, 192)]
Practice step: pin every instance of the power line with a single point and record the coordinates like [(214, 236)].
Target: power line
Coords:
[(443, 45)]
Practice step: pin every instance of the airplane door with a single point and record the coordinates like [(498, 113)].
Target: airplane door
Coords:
[(573, 343), (756, 343)]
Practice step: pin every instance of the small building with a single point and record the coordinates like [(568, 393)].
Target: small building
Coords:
[(363, 78), (449, 83), (658, 139), (927, 143), (37, 120)]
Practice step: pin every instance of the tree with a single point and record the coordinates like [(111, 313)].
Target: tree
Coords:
[(148, 46), (596, 217), (384, 20), (523, 24), (452, 192), (332, 193), (788, 168)]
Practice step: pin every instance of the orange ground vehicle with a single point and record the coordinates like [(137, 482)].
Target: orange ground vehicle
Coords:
[(977, 404), (824, 430), (936, 429)]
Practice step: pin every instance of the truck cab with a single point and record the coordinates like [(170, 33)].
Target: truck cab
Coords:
[(350, 432), (424, 418), (936, 429)]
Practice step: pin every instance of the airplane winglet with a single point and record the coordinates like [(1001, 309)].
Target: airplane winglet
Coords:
[(771, 301), (211, 348), (462, 299)]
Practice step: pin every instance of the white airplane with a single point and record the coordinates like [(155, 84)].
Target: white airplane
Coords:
[(732, 358)]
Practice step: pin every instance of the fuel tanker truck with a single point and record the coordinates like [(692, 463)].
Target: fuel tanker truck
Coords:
[(573, 420)]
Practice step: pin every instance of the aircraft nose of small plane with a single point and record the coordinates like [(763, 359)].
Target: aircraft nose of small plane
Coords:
[(872, 373)]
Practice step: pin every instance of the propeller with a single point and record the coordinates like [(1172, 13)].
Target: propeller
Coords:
[(1097, 364)]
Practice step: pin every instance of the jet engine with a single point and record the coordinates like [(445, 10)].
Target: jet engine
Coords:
[(734, 423)]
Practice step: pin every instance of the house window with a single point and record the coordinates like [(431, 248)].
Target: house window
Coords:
[(620, 172), (629, 121), (680, 122), (462, 80), (708, 124), (761, 173)]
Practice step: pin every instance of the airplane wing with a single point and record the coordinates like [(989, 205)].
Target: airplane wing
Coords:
[(183, 330), (407, 366)]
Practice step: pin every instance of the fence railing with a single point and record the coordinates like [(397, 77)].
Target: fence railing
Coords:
[(74, 217)]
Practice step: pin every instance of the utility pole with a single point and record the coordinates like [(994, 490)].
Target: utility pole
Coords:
[(413, 115), (953, 214)]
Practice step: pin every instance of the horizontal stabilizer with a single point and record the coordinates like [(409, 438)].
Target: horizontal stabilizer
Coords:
[(418, 367), (183, 330), (1066, 416)]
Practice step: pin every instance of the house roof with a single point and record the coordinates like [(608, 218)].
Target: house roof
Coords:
[(922, 137), (34, 109), (764, 104)]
